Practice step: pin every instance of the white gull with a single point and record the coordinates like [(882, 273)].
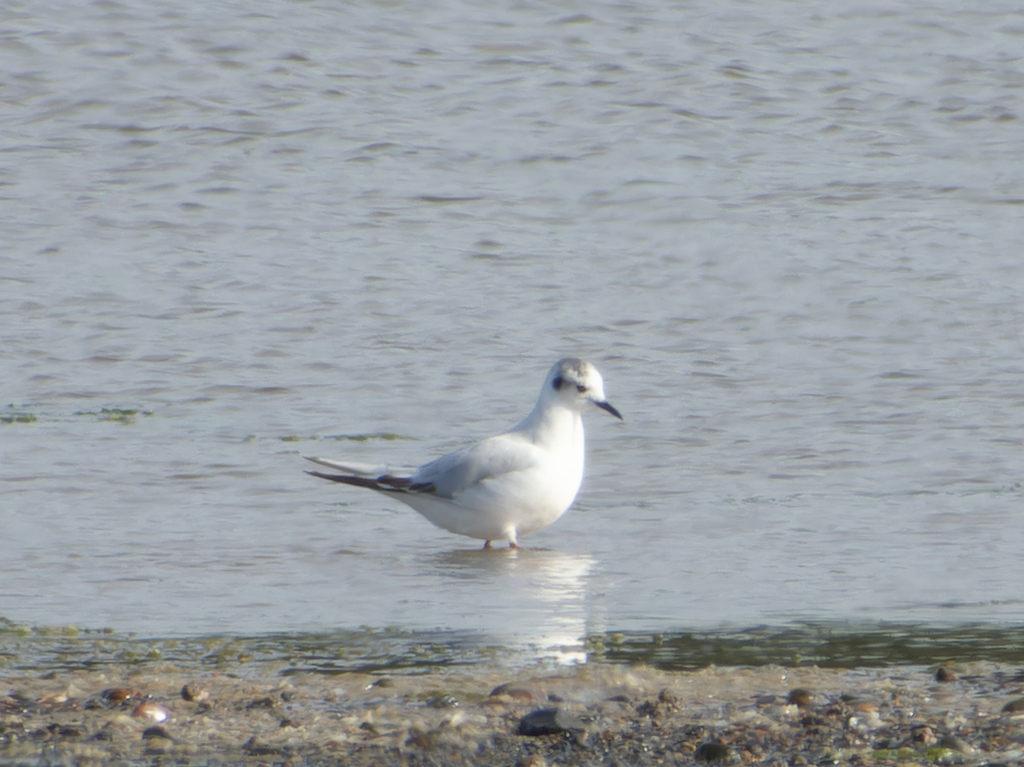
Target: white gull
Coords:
[(508, 485)]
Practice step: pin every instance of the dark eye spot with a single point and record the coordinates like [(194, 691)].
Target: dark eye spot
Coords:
[(581, 388), (557, 383)]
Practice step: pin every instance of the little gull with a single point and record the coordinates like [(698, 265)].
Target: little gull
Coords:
[(508, 485)]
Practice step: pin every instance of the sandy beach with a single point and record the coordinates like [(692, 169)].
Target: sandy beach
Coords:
[(595, 714)]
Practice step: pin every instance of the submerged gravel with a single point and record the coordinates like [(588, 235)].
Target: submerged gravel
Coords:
[(597, 714)]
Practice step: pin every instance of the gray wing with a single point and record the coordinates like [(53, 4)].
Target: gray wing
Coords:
[(451, 474)]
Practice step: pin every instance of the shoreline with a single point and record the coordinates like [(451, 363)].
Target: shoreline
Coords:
[(591, 714)]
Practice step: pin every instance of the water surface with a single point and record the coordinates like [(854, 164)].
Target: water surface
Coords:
[(788, 235)]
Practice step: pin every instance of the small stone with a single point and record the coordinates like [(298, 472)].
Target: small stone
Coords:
[(533, 760), (668, 699), (956, 744), (103, 735), (800, 697), (514, 691), (712, 752), (55, 697), (945, 674), (549, 721), (152, 711), (923, 734), (194, 693), (444, 700), (121, 694), (156, 732), (65, 730), (254, 748), (1014, 707), (260, 703)]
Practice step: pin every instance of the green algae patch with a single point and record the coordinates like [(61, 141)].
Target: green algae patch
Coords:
[(12, 415), (897, 755), (65, 649), (376, 436), (381, 435), (907, 755), (942, 755), (116, 414), (830, 645)]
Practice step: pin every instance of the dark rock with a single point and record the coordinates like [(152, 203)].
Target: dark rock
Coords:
[(945, 674), (1014, 706), (194, 693), (118, 695), (16, 703), (956, 743), (514, 690), (156, 732), (65, 731), (712, 752), (668, 699), (800, 697), (549, 721), (665, 704), (254, 748), (260, 703), (444, 700)]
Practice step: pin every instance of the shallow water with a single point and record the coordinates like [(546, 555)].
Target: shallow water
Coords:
[(788, 236), (395, 651)]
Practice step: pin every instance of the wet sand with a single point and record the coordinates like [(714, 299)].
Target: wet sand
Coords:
[(596, 714)]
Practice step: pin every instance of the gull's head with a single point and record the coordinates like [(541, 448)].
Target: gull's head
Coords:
[(574, 383)]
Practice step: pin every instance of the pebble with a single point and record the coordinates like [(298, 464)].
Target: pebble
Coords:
[(1014, 707), (152, 711), (121, 694), (713, 752), (549, 721), (194, 693), (956, 743), (945, 674), (513, 690), (800, 697)]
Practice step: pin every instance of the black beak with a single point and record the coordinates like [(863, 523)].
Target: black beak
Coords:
[(610, 409)]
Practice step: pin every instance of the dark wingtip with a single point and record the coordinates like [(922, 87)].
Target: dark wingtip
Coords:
[(386, 484), (348, 480)]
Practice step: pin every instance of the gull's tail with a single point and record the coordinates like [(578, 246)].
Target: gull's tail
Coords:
[(369, 476)]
